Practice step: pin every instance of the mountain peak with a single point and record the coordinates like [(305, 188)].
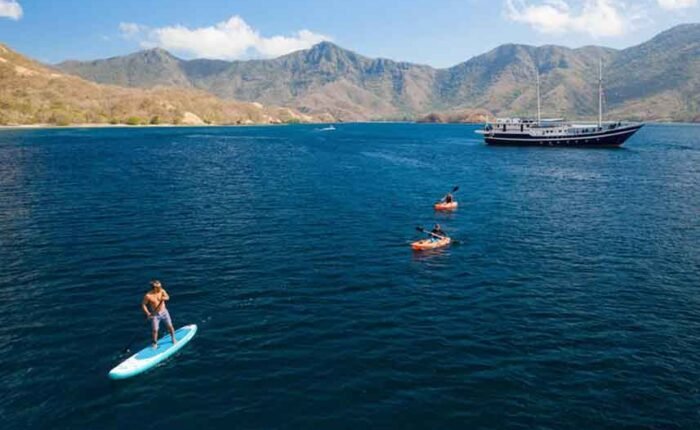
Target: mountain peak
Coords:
[(683, 31), (155, 53), (147, 68), (691, 26), (329, 53), (326, 46), (683, 35)]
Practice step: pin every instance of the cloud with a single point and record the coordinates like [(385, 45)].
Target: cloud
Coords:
[(130, 30), (228, 40), (10, 9), (677, 4), (597, 18)]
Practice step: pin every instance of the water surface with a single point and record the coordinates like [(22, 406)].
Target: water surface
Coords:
[(572, 300)]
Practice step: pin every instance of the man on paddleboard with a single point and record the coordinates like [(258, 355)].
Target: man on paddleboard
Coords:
[(153, 306)]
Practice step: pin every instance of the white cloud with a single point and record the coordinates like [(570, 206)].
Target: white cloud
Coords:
[(130, 30), (10, 9), (228, 40), (598, 18), (677, 4)]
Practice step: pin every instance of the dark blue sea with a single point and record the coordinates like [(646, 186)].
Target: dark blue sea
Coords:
[(571, 300)]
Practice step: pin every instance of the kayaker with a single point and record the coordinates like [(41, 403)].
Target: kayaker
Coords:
[(448, 198), (437, 230), (153, 306)]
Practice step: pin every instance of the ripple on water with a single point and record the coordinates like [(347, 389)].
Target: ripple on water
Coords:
[(569, 301)]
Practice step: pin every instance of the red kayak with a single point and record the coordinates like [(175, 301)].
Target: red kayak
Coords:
[(446, 206), (426, 244)]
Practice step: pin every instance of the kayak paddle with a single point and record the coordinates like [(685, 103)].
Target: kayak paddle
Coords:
[(422, 230), (454, 190)]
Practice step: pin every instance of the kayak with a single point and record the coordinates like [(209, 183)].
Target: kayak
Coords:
[(446, 206), (426, 244), (148, 357)]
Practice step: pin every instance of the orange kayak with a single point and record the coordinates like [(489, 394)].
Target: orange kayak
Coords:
[(446, 206), (426, 244)]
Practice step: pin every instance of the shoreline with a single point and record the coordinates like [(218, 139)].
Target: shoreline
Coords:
[(89, 126)]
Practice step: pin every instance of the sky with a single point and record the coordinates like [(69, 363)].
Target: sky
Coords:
[(440, 33)]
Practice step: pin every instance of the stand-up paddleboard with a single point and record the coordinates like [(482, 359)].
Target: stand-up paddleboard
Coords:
[(149, 356)]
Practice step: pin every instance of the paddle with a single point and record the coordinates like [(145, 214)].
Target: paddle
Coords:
[(454, 190), (453, 241), (422, 230), (127, 349)]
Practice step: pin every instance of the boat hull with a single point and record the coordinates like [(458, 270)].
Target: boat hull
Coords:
[(605, 139)]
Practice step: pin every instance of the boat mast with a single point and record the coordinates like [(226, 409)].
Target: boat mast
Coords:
[(538, 97), (600, 92)]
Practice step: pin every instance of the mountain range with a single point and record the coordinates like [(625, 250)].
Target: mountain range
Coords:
[(33, 93), (656, 80)]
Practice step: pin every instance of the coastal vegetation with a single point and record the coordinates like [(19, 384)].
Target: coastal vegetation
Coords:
[(32, 93), (468, 116)]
